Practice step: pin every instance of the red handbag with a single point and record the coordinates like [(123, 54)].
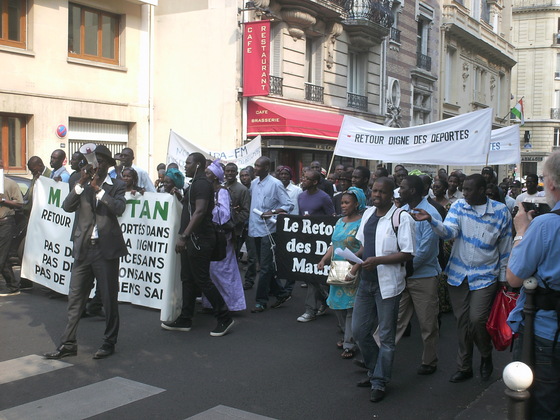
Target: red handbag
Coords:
[(497, 327)]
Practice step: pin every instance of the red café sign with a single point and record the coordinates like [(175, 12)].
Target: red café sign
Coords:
[(256, 58)]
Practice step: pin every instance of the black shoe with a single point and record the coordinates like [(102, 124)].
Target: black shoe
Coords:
[(180, 324), (62, 351), (280, 301), (258, 308), (6, 293), (360, 363), (486, 368), (247, 285), (104, 351), (426, 370), (461, 376), (364, 383), (377, 395), (222, 328)]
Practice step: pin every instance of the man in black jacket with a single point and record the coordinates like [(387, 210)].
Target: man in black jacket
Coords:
[(97, 201)]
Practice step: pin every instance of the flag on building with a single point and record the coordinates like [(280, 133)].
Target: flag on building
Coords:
[(517, 111)]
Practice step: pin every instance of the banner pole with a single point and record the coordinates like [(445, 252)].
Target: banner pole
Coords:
[(330, 165)]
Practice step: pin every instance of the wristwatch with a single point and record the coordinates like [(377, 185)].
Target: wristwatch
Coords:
[(273, 211)]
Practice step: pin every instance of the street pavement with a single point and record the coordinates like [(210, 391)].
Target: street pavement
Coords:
[(268, 366)]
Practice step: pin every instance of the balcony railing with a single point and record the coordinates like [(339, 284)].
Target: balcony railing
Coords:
[(357, 101), (395, 35), (555, 113), (424, 61), (314, 93), (276, 85), (375, 11)]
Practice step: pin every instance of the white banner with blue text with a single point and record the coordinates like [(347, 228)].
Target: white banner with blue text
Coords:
[(179, 149)]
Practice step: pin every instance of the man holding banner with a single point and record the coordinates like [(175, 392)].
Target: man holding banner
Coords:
[(97, 201)]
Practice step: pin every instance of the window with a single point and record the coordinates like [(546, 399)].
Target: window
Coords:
[(356, 73), (13, 22), (449, 74), (556, 139), (423, 60), (93, 34), (12, 141), (313, 60)]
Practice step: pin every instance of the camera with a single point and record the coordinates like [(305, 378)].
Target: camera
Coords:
[(538, 204)]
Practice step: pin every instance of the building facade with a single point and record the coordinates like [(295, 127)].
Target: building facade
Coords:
[(85, 66), (477, 58), (536, 79)]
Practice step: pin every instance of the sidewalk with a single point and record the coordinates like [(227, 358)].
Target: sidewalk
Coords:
[(490, 405)]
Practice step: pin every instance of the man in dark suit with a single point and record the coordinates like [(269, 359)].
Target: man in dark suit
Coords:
[(98, 245)]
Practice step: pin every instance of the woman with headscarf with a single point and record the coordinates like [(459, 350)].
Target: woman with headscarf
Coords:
[(225, 273), (341, 298), (173, 183)]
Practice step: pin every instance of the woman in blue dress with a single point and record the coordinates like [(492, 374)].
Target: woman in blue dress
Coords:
[(341, 298)]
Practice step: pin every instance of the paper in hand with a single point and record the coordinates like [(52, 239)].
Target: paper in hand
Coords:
[(348, 255)]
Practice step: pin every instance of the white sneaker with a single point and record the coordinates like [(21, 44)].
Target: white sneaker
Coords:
[(306, 317)]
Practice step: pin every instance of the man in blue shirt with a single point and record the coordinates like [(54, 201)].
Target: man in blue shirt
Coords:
[(482, 231), (536, 252), (268, 198), (421, 294)]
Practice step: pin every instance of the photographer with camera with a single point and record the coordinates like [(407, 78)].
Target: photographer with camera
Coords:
[(536, 252)]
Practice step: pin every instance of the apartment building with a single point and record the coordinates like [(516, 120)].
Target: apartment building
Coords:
[(477, 58), (85, 66), (536, 79)]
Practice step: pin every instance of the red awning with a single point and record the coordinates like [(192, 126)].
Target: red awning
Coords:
[(273, 119)]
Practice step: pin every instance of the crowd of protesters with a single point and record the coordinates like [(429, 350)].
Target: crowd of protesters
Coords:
[(427, 245)]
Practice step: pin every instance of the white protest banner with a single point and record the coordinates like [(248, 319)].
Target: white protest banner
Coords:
[(47, 258), (149, 275), (504, 146), (462, 140), (179, 148)]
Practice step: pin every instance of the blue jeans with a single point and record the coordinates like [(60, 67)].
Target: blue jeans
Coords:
[(268, 282), (545, 391), (371, 311)]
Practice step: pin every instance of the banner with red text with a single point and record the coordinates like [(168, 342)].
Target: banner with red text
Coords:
[(256, 58), (462, 140)]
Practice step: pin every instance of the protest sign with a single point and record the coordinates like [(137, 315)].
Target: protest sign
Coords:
[(462, 140), (504, 146), (149, 275), (301, 242), (47, 258), (179, 149)]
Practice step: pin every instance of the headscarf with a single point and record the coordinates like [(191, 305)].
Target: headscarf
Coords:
[(217, 170), (176, 176), (360, 196), (287, 169)]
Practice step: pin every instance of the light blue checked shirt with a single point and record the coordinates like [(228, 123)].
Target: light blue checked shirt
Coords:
[(482, 243)]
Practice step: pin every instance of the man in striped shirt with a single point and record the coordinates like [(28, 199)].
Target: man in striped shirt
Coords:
[(482, 231)]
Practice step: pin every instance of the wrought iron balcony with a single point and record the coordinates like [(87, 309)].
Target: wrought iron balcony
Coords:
[(395, 35), (373, 11), (314, 93), (424, 61), (555, 113), (276, 85), (357, 101)]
